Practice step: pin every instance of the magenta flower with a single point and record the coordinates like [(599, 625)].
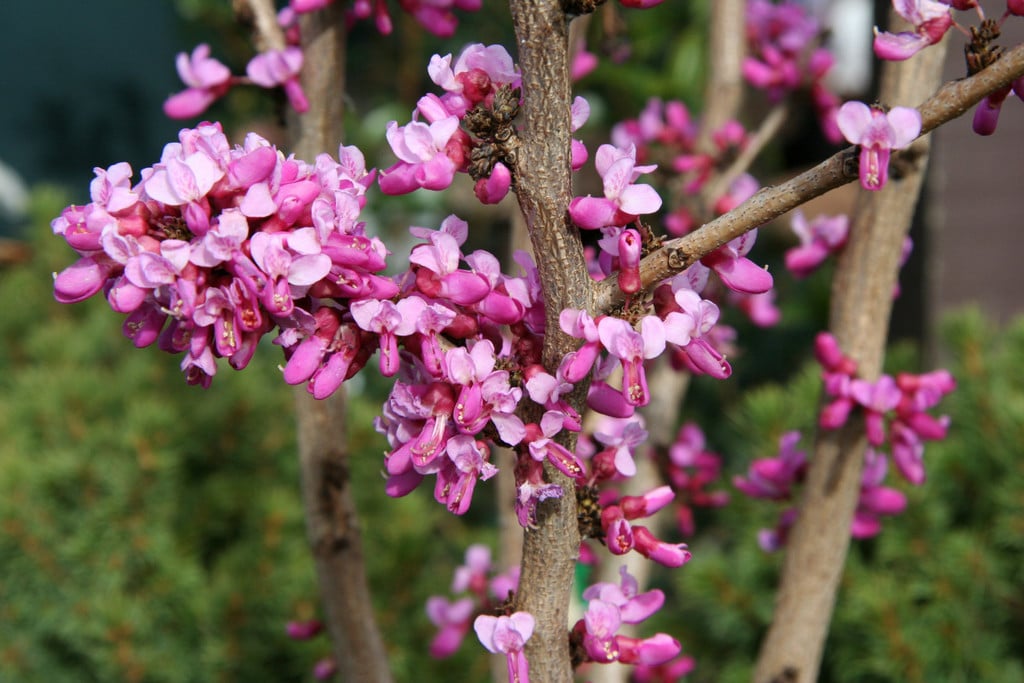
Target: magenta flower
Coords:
[(632, 348), (820, 237), (875, 499), (280, 67), (930, 19), (623, 200), (633, 607), (774, 478), (877, 133), (423, 160), (508, 636), (452, 620), (207, 79), (388, 321), (474, 76)]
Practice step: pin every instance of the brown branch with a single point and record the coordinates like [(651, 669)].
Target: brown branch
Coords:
[(756, 143), (723, 92), (542, 175), (263, 16), (861, 305), (949, 102), (331, 521)]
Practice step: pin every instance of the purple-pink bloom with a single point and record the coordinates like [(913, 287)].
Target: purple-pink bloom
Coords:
[(820, 237), (623, 200), (452, 620), (877, 133), (207, 79), (423, 160), (507, 635), (280, 67), (930, 20), (632, 347)]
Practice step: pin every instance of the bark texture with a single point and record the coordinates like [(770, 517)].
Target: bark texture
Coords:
[(542, 177)]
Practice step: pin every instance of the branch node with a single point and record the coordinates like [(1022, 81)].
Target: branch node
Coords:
[(851, 163), (679, 259), (575, 8)]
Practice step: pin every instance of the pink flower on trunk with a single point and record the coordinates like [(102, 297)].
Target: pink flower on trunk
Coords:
[(930, 19), (877, 133)]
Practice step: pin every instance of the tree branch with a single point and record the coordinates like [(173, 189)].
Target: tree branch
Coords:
[(861, 304), (332, 524), (949, 102), (543, 187)]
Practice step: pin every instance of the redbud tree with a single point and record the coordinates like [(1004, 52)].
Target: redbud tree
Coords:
[(562, 370)]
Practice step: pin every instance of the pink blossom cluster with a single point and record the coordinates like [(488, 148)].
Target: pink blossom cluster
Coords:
[(217, 246), (895, 405), (785, 56), (430, 151), (596, 637), (691, 468), (482, 590), (487, 597), (622, 534), (777, 479), (462, 332), (666, 130), (208, 79), (436, 16), (895, 409), (624, 199), (930, 20), (682, 324)]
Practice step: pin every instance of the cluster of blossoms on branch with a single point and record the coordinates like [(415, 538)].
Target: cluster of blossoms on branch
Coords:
[(485, 601), (895, 412), (217, 246), (436, 16), (207, 79), (785, 56)]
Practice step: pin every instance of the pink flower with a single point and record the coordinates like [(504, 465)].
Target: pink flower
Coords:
[(818, 238), (280, 67), (452, 620), (632, 348), (877, 133), (423, 159), (930, 19), (623, 200), (207, 79), (508, 636), (475, 75)]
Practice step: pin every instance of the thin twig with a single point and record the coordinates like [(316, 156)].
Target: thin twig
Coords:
[(949, 102)]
